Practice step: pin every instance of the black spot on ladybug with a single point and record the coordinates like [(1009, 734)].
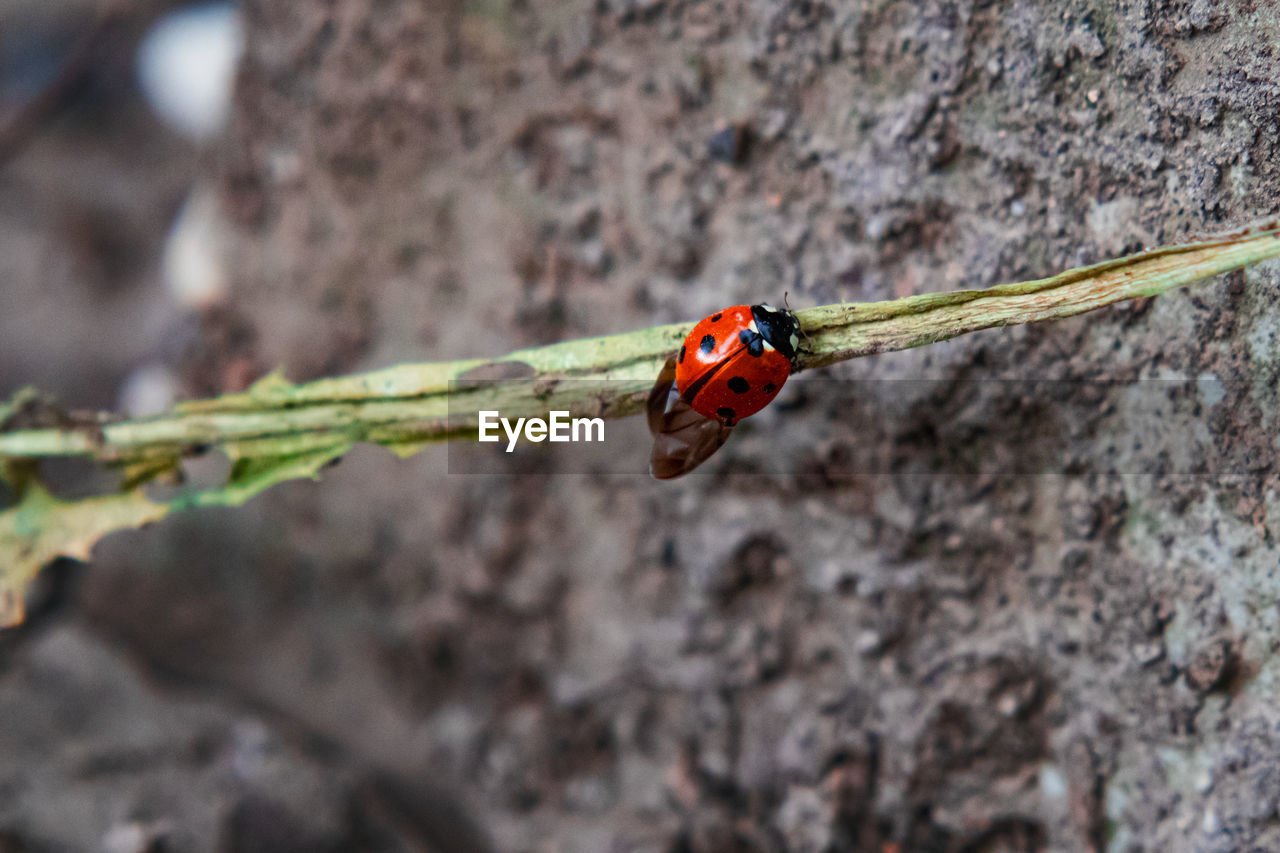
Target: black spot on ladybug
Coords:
[(769, 388), (716, 318), (755, 343), (708, 343), (726, 414), (739, 385), (680, 357)]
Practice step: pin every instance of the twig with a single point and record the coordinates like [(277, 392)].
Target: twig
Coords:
[(405, 406), (278, 431)]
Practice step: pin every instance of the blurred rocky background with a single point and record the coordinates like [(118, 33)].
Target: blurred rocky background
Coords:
[(874, 651)]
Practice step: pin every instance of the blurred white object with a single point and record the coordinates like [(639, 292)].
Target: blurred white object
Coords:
[(134, 837), (149, 390), (194, 264), (186, 66)]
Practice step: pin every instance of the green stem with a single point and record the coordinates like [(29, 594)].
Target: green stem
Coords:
[(408, 405), (277, 431)]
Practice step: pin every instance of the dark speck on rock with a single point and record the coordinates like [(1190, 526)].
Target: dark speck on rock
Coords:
[(731, 145)]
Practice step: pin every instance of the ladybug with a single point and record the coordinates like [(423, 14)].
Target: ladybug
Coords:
[(730, 366), (734, 362)]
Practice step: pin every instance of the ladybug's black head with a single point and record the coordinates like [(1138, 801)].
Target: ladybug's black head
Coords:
[(779, 328)]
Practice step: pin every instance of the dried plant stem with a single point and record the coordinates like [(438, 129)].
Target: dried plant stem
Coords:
[(278, 431), (405, 406)]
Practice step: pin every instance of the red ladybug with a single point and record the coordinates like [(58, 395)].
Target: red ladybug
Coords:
[(734, 362), (731, 366)]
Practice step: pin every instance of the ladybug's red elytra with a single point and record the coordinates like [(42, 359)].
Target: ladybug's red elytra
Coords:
[(730, 366), (734, 362)]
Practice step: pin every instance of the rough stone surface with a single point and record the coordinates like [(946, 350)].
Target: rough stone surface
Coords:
[(1035, 614)]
